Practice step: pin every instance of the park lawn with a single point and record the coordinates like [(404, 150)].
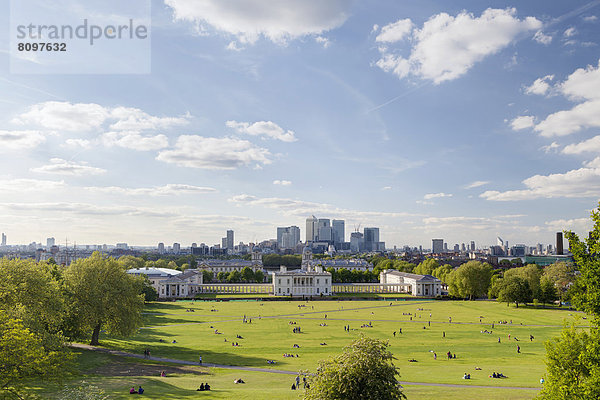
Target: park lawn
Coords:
[(270, 336)]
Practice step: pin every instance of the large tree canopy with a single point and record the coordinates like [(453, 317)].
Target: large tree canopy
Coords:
[(103, 296), (472, 280), (363, 371)]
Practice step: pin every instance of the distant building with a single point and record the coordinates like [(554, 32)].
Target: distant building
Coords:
[(372, 243), (456, 247), (357, 242), (176, 248), (3, 239), (437, 246), (312, 229), (50, 242), (421, 285), (338, 227), (559, 244), (303, 282), (122, 246), (288, 237), (472, 245), (161, 248), (229, 241)]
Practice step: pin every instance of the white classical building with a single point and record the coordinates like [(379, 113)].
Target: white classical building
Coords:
[(302, 282), (421, 285), (216, 266), (170, 283)]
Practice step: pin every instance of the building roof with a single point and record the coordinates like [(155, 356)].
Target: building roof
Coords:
[(300, 272), (416, 277), (238, 262), (353, 262), (154, 272)]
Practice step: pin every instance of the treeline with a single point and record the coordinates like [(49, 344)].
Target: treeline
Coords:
[(44, 306)]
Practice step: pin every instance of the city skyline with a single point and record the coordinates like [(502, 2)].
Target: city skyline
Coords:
[(463, 121)]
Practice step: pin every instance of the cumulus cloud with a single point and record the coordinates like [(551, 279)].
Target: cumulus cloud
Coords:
[(78, 117), (263, 128), (542, 38), (570, 32), (134, 140), (430, 196), (386, 188), (59, 166), (20, 140), (540, 86), (395, 31), (582, 182), (214, 153), (552, 147), (282, 182), (591, 145), (82, 143), (323, 41), (248, 20), (522, 122), (446, 47), (590, 18), (166, 190), (583, 85), (476, 184)]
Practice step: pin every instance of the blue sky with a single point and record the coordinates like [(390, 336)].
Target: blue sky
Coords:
[(464, 122)]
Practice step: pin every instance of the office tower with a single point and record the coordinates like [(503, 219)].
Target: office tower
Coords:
[(472, 245), (463, 247), (339, 234), (500, 241), (437, 245), (50, 242), (288, 237), (456, 248), (176, 248), (161, 248), (311, 229), (224, 243), (229, 243), (371, 236), (3, 239), (357, 242), (325, 234), (445, 247), (559, 244)]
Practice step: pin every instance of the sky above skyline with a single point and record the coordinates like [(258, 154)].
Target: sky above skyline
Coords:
[(462, 121)]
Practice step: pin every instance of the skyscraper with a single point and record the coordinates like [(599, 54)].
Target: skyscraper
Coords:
[(339, 227), (161, 248), (176, 248), (311, 229), (50, 242), (472, 245), (288, 237), (3, 239), (559, 244), (437, 246), (229, 243), (371, 239), (357, 242)]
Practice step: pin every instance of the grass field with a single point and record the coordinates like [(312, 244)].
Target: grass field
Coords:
[(426, 330)]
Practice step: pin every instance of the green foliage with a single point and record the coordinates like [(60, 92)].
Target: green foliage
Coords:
[(426, 267), (548, 292), (471, 280), (23, 357), (363, 371), (572, 362), (514, 289), (404, 266), (102, 295), (234, 277), (148, 290), (531, 273), (259, 276), (276, 260), (561, 275), (207, 276), (222, 276), (247, 274), (442, 272), (130, 262)]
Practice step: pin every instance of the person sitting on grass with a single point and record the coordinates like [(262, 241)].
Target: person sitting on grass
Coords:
[(206, 386), (132, 390), (141, 390), (201, 388)]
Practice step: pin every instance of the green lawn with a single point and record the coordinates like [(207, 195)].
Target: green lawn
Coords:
[(270, 335)]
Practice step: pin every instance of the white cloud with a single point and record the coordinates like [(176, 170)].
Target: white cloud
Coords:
[(83, 143), (446, 47), (583, 182), (263, 128), (20, 140), (86, 209), (582, 85), (166, 190), (278, 21), (591, 145), (233, 45), (542, 38), (522, 122), (590, 18), (540, 86), (576, 224), (570, 32), (476, 184), (78, 117), (59, 166), (430, 196), (552, 147), (595, 163), (282, 182), (133, 140), (29, 185), (214, 153), (386, 188), (323, 41), (395, 31)]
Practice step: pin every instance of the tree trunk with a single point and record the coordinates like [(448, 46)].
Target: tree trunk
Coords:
[(517, 303), (95, 335)]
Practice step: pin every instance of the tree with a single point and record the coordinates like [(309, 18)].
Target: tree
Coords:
[(247, 274), (23, 357), (207, 276), (548, 292), (259, 276), (514, 289), (149, 292), (426, 267), (130, 262), (222, 276), (404, 266), (472, 280), (363, 371), (442, 272), (234, 276), (561, 274), (531, 273), (103, 295), (572, 362)]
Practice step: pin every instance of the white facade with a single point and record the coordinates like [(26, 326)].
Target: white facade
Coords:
[(301, 282), (421, 285), (170, 283)]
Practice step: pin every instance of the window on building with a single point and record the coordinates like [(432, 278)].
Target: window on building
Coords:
[(325, 290), (279, 281), (288, 290), (317, 288), (279, 290), (317, 281)]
